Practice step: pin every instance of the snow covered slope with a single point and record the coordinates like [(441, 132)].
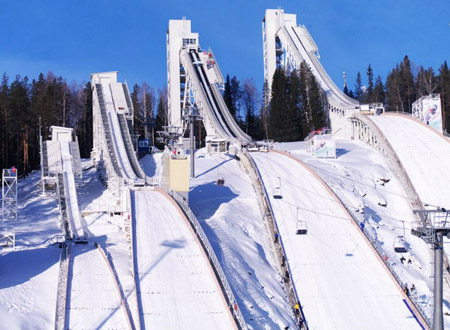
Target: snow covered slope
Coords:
[(340, 282), (424, 153), (177, 288), (232, 220), (29, 274), (94, 302)]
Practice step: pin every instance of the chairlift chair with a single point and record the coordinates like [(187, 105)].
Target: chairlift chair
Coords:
[(277, 193), (400, 245), (302, 228)]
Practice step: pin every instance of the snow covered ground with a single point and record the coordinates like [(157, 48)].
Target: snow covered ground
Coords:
[(424, 154), (232, 220), (29, 274), (340, 282), (93, 301), (355, 177), (177, 287)]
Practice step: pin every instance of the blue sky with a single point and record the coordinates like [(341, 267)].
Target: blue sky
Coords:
[(75, 38)]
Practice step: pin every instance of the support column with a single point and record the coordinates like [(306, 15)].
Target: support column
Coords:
[(438, 319), (191, 137)]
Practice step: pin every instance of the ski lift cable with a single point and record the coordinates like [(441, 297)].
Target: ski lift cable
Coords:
[(353, 180), (272, 172)]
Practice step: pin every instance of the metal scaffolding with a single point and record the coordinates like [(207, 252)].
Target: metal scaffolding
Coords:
[(9, 206), (433, 226)]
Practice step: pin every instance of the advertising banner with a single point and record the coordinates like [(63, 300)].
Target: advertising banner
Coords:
[(432, 113), (324, 146)]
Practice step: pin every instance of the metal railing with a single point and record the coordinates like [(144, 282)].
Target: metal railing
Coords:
[(232, 303), (107, 131), (291, 289), (115, 277), (63, 282), (397, 274), (129, 147)]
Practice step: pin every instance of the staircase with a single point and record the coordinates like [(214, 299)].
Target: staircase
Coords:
[(129, 146), (63, 205), (76, 160), (107, 130)]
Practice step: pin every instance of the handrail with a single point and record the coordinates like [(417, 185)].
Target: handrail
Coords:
[(383, 256), (397, 166), (107, 131), (123, 300), (377, 247), (63, 285), (301, 319), (346, 101), (129, 147), (201, 100), (392, 157), (206, 87), (129, 214), (232, 303)]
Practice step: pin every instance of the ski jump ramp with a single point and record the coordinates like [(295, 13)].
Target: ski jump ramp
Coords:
[(340, 282), (424, 154), (194, 78), (287, 45), (113, 150), (177, 287)]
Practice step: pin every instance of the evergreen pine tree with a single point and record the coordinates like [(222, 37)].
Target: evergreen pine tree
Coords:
[(277, 112), (407, 90), (306, 111), (227, 97), (138, 128), (444, 90), (85, 131), (358, 88), (378, 91), (316, 100), (370, 85), (293, 129), (20, 116), (4, 122)]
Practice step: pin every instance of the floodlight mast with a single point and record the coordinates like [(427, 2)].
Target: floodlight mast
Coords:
[(432, 232)]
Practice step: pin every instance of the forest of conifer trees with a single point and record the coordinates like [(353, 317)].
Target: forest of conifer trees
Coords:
[(297, 106)]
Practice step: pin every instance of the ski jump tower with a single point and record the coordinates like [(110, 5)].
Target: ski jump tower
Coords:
[(287, 45), (113, 152), (194, 78)]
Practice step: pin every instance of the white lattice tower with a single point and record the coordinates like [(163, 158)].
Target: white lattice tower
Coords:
[(9, 194)]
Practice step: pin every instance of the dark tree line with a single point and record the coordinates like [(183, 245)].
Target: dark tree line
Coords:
[(405, 83), (49, 100), (243, 101), (297, 105)]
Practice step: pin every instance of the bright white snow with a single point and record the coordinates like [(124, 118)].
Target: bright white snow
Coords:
[(177, 288), (340, 282)]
